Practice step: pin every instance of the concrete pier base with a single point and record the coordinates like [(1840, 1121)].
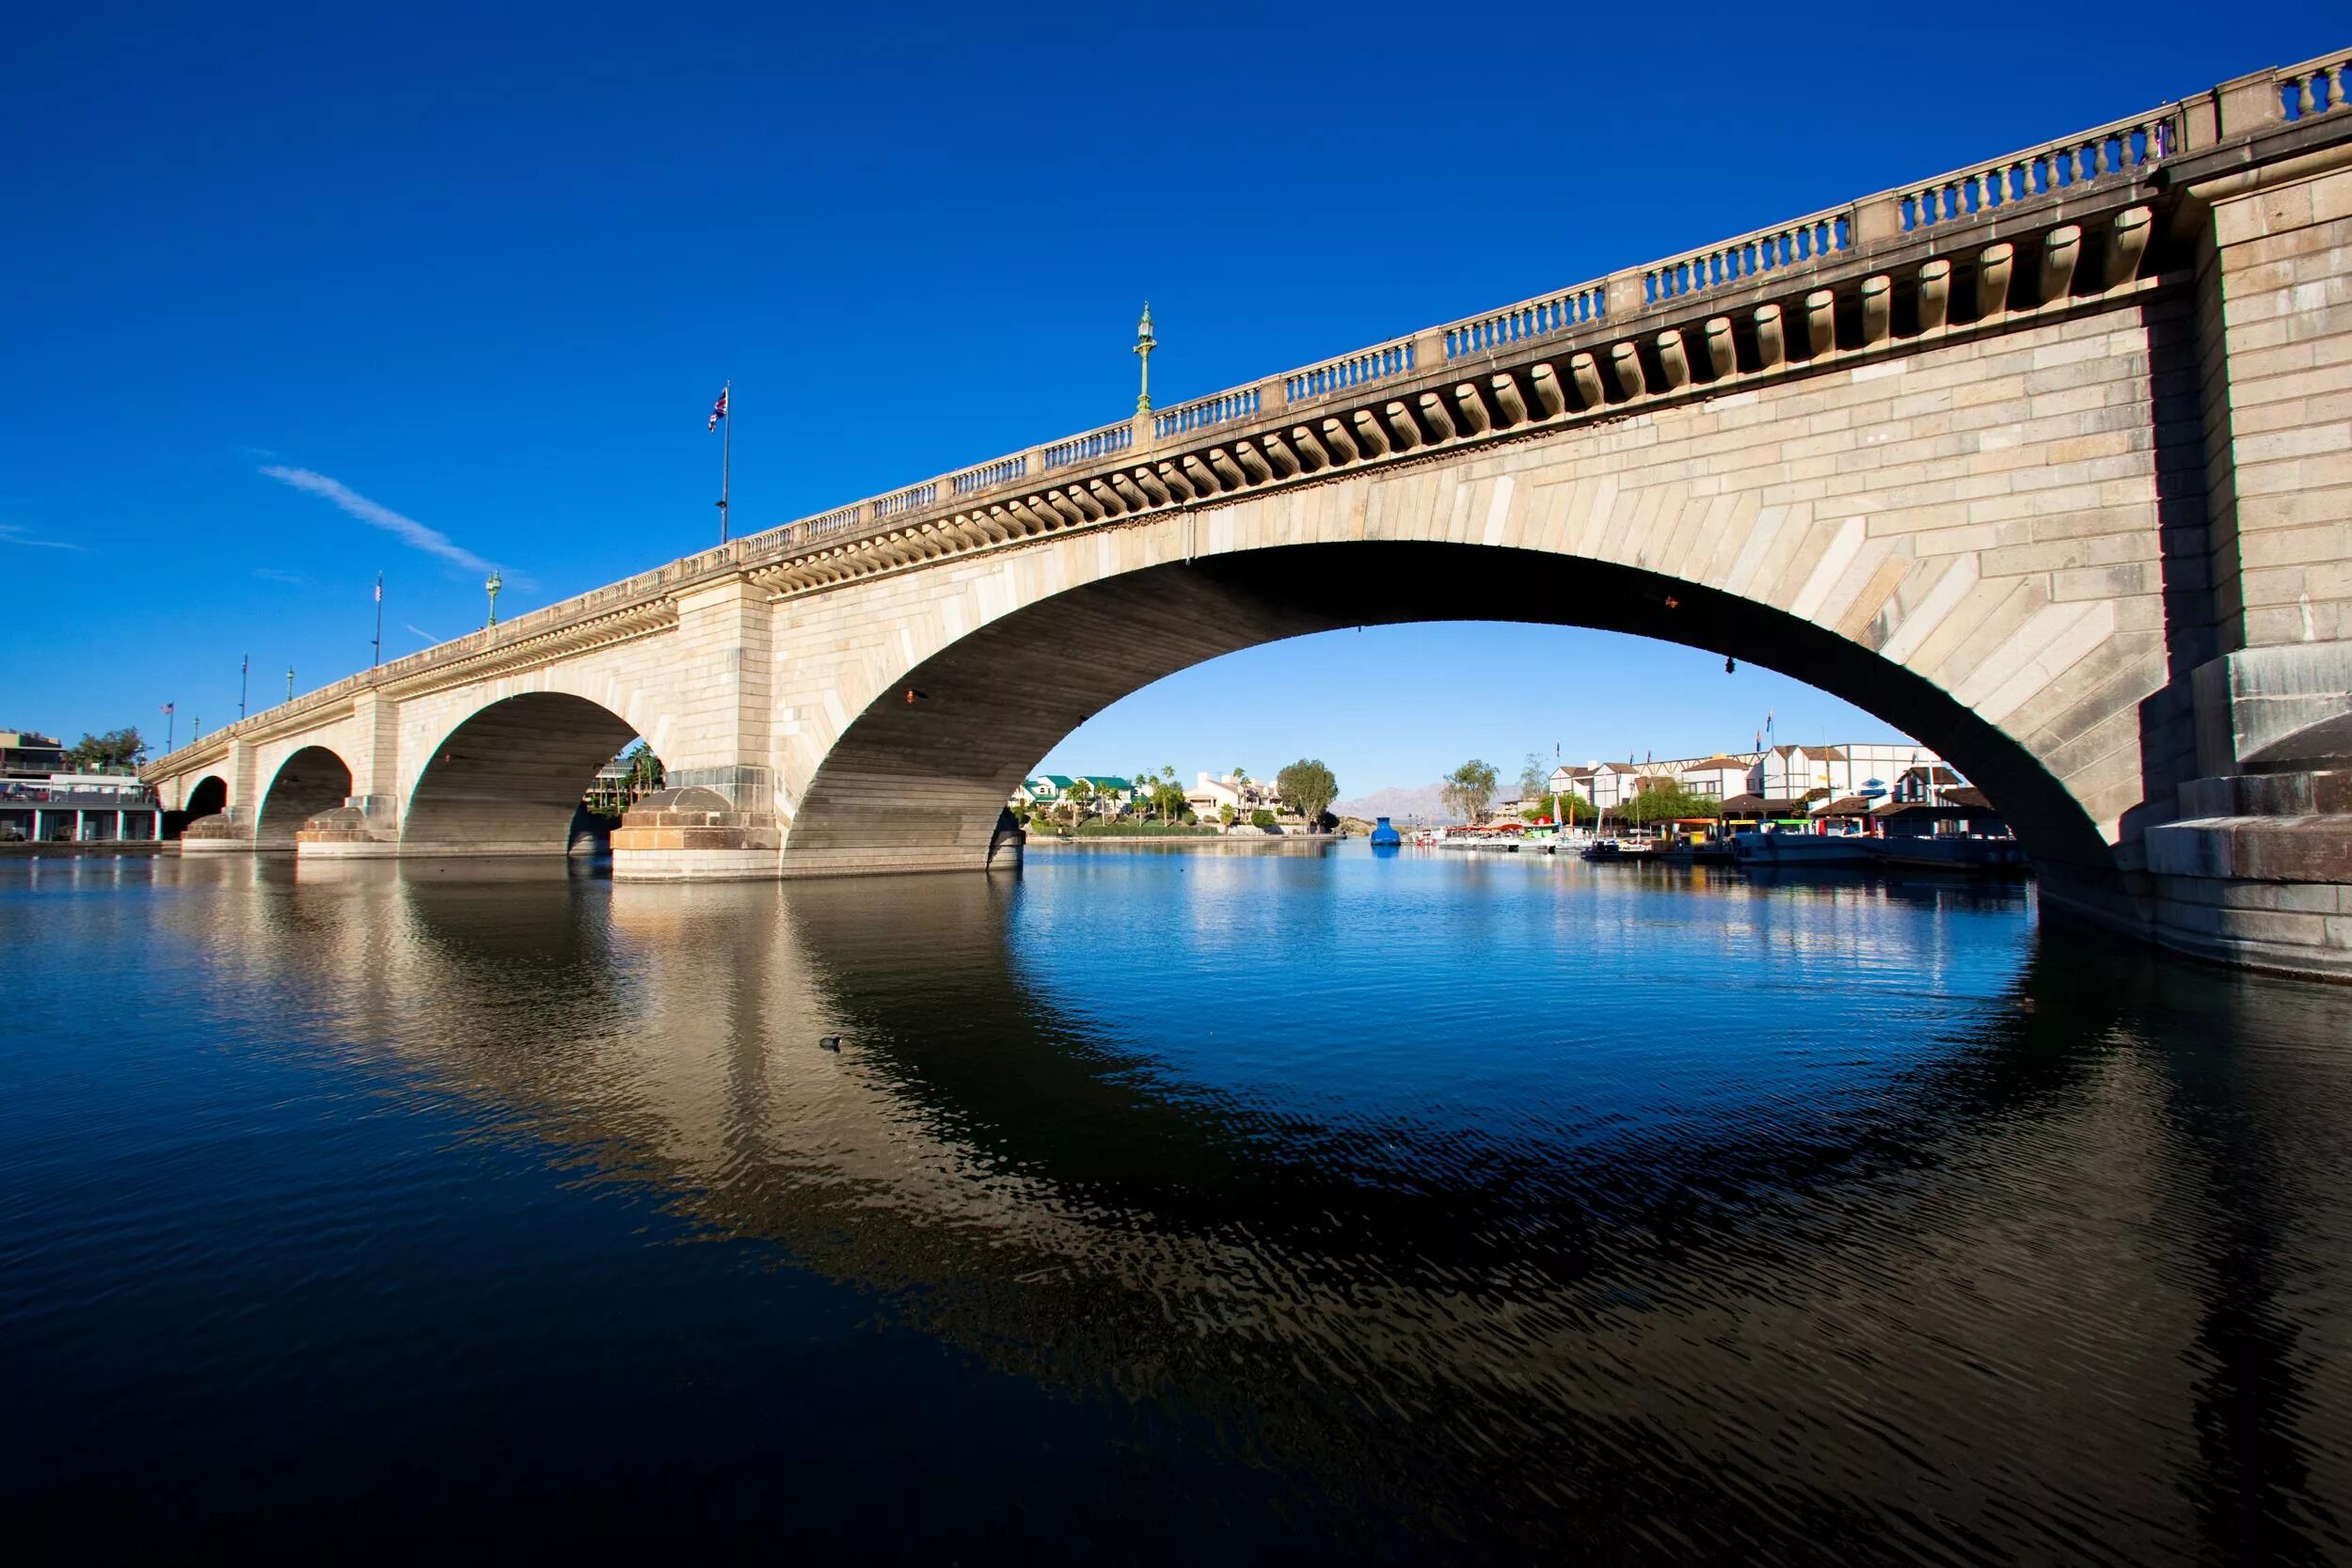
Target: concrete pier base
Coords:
[(221, 834), (2257, 871), (695, 835)]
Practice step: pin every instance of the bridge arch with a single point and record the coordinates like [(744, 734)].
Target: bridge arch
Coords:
[(921, 783), (207, 796), (311, 779), (510, 777)]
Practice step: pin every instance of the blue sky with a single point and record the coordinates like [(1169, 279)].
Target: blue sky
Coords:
[(298, 296)]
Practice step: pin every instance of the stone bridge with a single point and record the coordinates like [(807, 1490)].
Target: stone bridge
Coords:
[(2046, 460)]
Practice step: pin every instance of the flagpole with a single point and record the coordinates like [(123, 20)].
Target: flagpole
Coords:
[(726, 457), (378, 656), (243, 669)]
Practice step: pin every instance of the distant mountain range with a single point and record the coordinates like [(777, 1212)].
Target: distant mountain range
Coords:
[(1400, 805)]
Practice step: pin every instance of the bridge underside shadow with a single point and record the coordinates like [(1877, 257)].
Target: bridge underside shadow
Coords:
[(921, 784), (314, 780), (509, 781)]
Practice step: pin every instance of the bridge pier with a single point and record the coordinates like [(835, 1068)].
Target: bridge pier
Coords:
[(224, 832), (362, 827), (695, 833), (2257, 871)]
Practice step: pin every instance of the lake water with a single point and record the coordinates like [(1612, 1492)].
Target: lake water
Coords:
[(1160, 1207)]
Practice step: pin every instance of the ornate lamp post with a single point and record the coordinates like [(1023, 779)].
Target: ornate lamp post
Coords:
[(290, 683), (492, 585), (1145, 343)]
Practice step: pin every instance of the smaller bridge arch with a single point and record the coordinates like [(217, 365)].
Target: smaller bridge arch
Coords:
[(311, 779), (508, 779), (207, 796)]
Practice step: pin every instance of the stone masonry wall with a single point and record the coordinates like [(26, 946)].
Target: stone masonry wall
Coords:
[(1988, 513)]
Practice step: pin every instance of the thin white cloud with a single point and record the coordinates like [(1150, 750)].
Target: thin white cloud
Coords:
[(410, 532), (429, 637), (271, 574), (12, 534)]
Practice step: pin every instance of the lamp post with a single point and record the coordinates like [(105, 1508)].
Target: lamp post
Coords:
[(290, 683), (491, 585), (1145, 343)]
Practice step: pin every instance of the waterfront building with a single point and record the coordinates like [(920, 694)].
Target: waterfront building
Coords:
[(1209, 795), (1208, 792), (29, 755), (1573, 781), (1852, 768), (1716, 778), (1106, 795), (78, 808)]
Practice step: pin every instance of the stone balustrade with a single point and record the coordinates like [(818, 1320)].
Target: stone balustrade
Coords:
[(1535, 317), (2313, 88), (1774, 249), (2123, 147), (1349, 370)]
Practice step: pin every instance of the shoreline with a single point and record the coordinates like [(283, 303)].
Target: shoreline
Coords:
[(98, 849)]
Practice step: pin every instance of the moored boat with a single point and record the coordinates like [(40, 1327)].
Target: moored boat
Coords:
[(1949, 852), (1769, 850)]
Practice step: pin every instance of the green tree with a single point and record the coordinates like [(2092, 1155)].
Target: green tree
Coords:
[(1224, 814), (1468, 788), (1668, 803), (1080, 799), (1261, 819), (645, 769), (115, 748), (1307, 789), (1535, 778)]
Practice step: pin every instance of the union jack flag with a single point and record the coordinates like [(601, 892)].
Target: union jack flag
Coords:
[(719, 409)]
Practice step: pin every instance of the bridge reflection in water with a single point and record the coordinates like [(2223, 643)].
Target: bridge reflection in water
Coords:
[(1778, 1220)]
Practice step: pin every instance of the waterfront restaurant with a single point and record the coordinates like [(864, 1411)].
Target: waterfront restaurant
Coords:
[(79, 808)]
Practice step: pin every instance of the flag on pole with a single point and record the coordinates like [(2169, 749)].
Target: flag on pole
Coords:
[(719, 409), (379, 588), (169, 708)]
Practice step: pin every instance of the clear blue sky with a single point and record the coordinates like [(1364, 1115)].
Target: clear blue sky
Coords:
[(484, 268)]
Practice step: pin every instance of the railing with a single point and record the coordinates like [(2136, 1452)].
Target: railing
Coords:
[(909, 499), (87, 800), (1349, 370), (2313, 88), (1533, 318), (989, 475), (1786, 245), (1199, 415), (1093, 444), (840, 519), (2126, 146)]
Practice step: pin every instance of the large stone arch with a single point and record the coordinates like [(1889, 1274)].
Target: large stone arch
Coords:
[(1981, 542), (922, 783), (311, 779), (509, 777)]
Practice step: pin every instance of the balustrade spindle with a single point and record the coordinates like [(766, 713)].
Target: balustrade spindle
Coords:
[(2335, 86)]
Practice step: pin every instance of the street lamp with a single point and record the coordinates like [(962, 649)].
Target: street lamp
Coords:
[(290, 683), (493, 584), (1145, 343)]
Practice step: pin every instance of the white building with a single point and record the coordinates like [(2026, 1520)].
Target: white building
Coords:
[(1208, 792), (1716, 778), (1853, 767), (83, 808)]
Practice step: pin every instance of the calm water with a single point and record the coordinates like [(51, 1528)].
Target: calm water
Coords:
[(1160, 1207)]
